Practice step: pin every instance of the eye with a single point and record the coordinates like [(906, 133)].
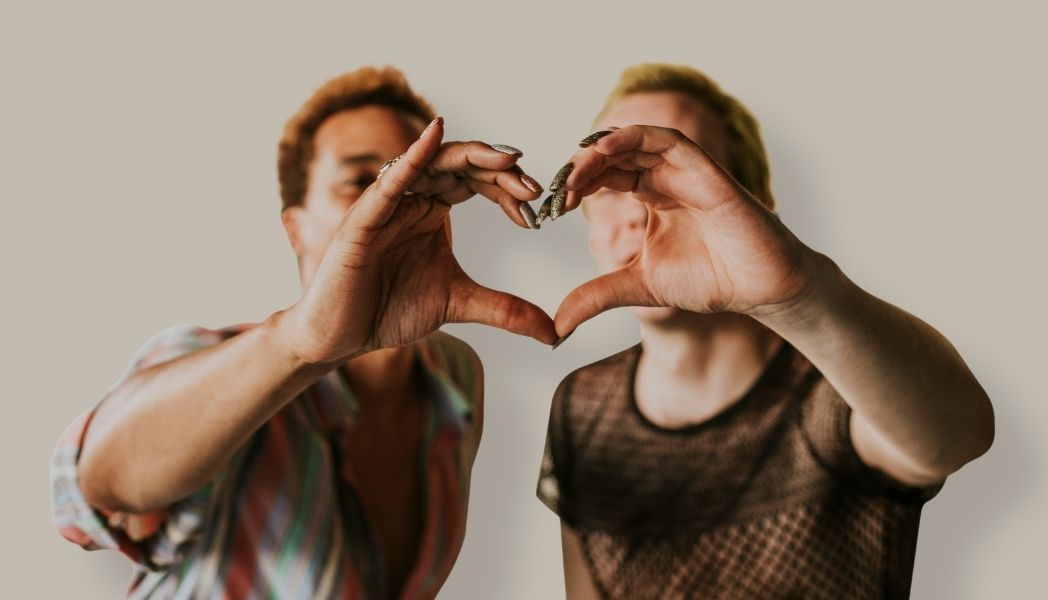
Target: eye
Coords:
[(358, 183)]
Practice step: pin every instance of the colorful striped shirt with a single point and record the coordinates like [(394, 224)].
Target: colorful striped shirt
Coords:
[(284, 517)]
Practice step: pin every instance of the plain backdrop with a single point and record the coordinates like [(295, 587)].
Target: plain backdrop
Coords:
[(138, 142)]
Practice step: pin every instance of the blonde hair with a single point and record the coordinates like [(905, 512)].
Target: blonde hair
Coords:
[(749, 162), (383, 86)]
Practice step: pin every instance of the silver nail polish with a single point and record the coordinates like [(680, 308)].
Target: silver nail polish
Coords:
[(529, 215), (435, 121), (544, 209), (530, 183), (561, 177), (561, 340), (503, 148), (592, 138), (556, 207)]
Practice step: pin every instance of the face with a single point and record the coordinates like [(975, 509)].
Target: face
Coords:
[(617, 220), (348, 150)]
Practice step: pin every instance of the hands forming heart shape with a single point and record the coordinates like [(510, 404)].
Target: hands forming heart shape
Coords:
[(389, 276)]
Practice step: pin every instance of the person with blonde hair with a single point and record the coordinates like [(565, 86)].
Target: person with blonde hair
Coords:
[(777, 429), (325, 452)]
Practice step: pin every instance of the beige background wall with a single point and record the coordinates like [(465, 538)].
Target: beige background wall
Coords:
[(137, 147)]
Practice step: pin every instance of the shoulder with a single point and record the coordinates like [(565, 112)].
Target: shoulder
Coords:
[(596, 376), (452, 356), (179, 340)]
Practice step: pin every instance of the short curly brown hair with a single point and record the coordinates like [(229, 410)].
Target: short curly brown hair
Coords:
[(384, 86)]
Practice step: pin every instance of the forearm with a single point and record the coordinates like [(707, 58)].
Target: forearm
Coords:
[(895, 371), (168, 429), (578, 582)]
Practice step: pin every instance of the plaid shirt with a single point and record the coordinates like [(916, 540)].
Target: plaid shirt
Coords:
[(283, 518)]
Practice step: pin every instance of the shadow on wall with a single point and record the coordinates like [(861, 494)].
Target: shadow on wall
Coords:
[(960, 526)]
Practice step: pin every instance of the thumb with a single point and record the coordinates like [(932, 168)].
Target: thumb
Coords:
[(474, 303), (624, 287)]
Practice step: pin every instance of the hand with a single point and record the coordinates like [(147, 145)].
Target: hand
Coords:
[(389, 277), (709, 245)]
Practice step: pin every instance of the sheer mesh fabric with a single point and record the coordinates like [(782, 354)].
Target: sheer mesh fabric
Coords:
[(767, 499)]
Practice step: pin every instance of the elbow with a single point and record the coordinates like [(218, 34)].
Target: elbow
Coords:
[(985, 428), (973, 440), (104, 491)]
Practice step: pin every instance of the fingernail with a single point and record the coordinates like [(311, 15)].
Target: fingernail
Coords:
[(561, 339), (530, 183), (529, 215), (503, 148), (556, 207), (437, 121), (544, 209), (592, 138), (561, 177)]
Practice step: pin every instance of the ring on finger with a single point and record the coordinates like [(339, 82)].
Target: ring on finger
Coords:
[(389, 163)]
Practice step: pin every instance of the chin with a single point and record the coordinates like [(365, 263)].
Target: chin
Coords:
[(656, 315)]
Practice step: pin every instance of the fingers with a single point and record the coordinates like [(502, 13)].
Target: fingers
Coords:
[(618, 288), (679, 168), (614, 178), (648, 139), (484, 163), (462, 169), (378, 202), (474, 303), (458, 156)]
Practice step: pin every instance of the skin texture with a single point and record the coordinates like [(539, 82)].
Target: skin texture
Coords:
[(378, 274), (671, 229)]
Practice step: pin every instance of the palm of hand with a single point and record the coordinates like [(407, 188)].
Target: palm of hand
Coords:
[(416, 277), (709, 245), (732, 255)]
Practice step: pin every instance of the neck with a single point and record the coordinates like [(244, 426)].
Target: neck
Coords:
[(382, 378), (695, 365), (379, 379)]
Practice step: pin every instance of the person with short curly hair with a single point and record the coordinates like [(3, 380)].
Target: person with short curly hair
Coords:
[(325, 452)]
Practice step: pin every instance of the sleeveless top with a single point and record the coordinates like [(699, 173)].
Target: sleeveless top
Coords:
[(766, 499)]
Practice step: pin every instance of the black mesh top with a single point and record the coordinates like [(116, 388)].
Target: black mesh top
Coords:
[(767, 499)]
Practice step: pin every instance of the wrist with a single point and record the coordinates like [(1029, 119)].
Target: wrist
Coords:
[(825, 287), (284, 333)]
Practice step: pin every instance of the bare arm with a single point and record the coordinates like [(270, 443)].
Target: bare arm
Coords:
[(169, 428), (918, 412), (578, 583)]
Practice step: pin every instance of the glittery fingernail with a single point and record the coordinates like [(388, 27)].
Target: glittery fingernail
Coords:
[(556, 207), (592, 138), (503, 148), (561, 339), (561, 177), (530, 183), (529, 215), (438, 120), (544, 209)]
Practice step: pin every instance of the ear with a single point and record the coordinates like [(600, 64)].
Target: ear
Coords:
[(292, 217)]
